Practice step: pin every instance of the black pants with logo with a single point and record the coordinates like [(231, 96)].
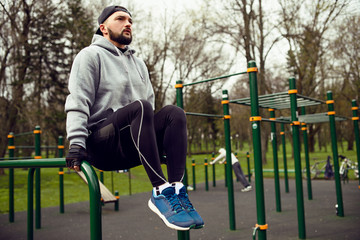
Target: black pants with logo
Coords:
[(135, 135)]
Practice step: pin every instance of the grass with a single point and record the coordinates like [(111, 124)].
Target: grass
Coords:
[(75, 190)]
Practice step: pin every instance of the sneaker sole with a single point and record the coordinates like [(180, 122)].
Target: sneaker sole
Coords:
[(167, 223)]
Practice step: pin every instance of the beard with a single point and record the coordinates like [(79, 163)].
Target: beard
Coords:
[(119, 38)]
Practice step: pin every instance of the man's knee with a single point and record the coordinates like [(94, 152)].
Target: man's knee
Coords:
[(146, 108), (175, 113)]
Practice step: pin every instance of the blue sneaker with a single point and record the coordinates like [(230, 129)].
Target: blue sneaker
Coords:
[(168, 207), (185, 202)]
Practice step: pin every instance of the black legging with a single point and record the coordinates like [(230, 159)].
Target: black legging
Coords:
[(134, 135)]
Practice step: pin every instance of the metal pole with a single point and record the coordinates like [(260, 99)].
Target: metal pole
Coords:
[(206, 175), (182, 235), (355, 119), (331, 114), (193, 171), (298, 176), (225, 103), (213, 170), (30, 205), (248, 165), (282, 133), (11, 147), (275, 157), (307, 161), (255, 125), (37, 134), (61, 174), (95, 205)]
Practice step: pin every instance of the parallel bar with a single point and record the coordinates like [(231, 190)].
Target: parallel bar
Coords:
[(286, 179), (204, 115), (213, 79)]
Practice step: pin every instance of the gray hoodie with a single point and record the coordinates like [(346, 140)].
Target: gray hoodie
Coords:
[(102, 80)]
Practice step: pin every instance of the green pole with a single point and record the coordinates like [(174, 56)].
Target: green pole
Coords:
[(255, 125), (37, 134), (298, 178), (61, 174), (30, 205), (307, 161), (355, 119), (331, 114), (225, 173), (275, 157), (11, 147), (206, 175), (101, 176), (213, 170), (225, 103), (193, 171), (94, 198), (182, 235), (248, 165), (116, 205), (282, 133)]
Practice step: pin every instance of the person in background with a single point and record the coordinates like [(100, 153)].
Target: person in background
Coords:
[(111, 121), (236, 167)]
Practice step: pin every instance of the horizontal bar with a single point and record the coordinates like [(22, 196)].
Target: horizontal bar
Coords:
[(22, 134), (276, 121), (34, 163), (204, 115), (213, 79)]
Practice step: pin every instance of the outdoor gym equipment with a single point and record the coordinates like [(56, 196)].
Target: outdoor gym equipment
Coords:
[(226, 116), (94, 190)]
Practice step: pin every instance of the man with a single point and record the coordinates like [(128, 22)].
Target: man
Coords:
[(111, 121), (236, 167)]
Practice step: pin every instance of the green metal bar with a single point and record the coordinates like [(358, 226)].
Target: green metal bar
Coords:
[(203, 115), (101, 176), (95, 203), (307, 161), (94, 190), (116, 205), (213, 170), (286, 179), (355, 119), (182, 235), (297, 159), (225, 163), (213, 79), (276, 164), (193, 172), (206, 175), (248, 166), (23, 134), (230, 187), (30, 205), (331, 113), (255, 125), (11, 147), (37, 135), (61, 175)]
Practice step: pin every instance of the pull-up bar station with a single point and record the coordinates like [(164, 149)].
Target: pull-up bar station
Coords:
[(289, 100), (226, 116)]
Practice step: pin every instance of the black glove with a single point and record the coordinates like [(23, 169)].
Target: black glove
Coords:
[(75, 156)]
